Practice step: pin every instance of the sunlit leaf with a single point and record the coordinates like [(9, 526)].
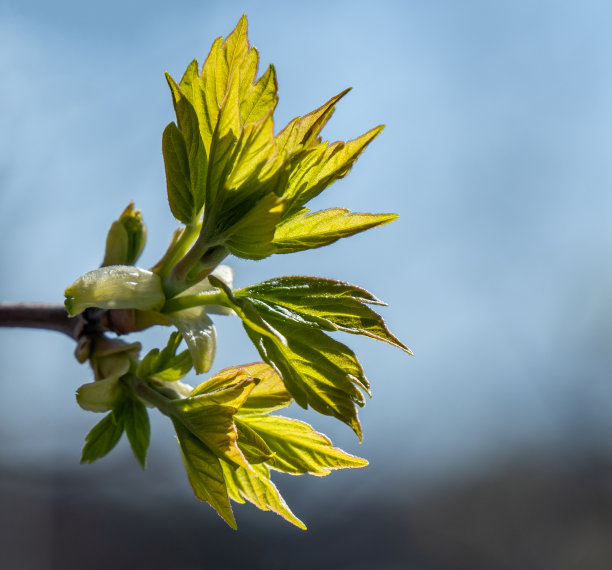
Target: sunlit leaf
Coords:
[(310, 230), (261, 98), (205, 473), (255, 486), (322, 166), (270, 392), (209, 416), (317, 370), (303, 131), (188, 124), (321, 303), (178, 181), (252, 445), (251, 237), (224, 139), (297, 447)]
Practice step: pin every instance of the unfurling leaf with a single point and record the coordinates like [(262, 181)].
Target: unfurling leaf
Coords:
[(102, 438), (205, 473), (166, 365), (115, 287), (255, 486), (136, 423), (317, 370), (209, 416), (304, 131), (321, 303), (178, 182), (307, 230), (296, 446), (126, 238), (322, 166)]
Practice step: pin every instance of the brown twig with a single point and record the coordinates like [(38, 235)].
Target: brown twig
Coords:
[(41, 316)]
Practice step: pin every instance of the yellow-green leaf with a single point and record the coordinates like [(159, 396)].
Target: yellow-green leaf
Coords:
[(310, 230), (260, 98), (209, 417), (322, 166), (297, 447), (304, 131), (224, 139), (178, 181), (317, 370), (251, 237), (205, 473), (189, 125), (255, 486), (321, 303), (269, 394)]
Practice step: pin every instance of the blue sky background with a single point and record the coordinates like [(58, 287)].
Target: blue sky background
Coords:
[(496, 154)]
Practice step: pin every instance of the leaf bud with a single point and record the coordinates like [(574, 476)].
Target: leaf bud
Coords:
[(115, 287), (126, 238)]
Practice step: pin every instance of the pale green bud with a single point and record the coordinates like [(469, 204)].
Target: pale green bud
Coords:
[(115, 287), (99, 396), (126, 238)]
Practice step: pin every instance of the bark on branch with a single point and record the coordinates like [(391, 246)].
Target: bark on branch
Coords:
[(40, 316)]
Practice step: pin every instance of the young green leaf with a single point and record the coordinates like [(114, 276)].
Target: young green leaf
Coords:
[(252, 445), (224, 139), (317, 370), (307, 230), (166, 365), (304, 131), (261, 98), (189, 126), (205, 473), (269, 394), (251, 237), (322, 166), (102, 438), (209, 416), (296, 446), (137, 428), (178, 181), (321, 303), (255, 486)]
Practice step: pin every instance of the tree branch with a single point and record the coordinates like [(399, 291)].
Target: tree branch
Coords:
[(40, 316), (55, 317)]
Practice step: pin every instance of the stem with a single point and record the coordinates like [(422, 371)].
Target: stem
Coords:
[(40, 316), (177, 250), (188, 301), (199, 262), (150, 395)]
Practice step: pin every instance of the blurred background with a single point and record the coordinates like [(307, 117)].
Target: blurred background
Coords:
[(491, 448)]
